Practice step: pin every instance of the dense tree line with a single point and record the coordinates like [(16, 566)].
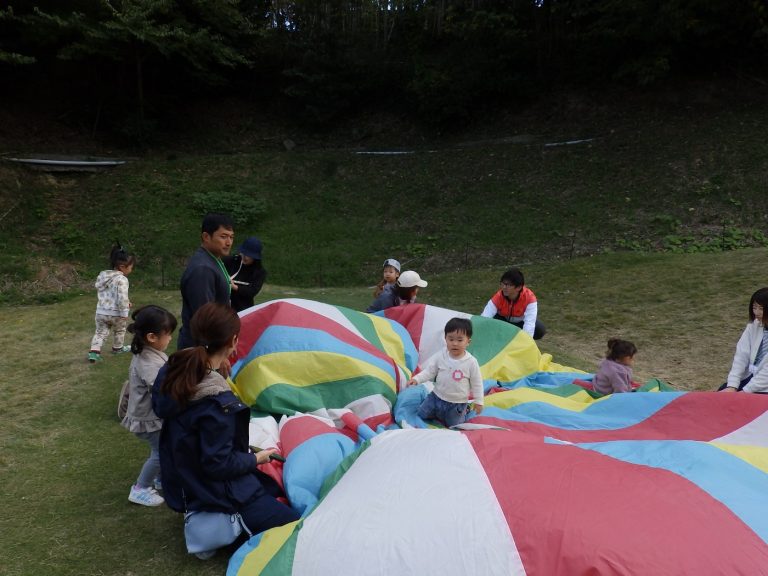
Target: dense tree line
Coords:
[(442, 59)]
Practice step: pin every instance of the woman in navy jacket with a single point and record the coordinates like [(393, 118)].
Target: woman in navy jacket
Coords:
[(204, 455)]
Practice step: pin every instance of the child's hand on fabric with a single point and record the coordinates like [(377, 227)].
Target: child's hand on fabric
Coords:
[(478, 409), (729, 389), (411, 382)]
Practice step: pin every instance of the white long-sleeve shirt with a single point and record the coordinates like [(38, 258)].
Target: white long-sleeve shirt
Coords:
[(743, 360), (454, 378)]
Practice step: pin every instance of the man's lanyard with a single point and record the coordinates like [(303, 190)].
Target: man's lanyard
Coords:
[(223, 271)]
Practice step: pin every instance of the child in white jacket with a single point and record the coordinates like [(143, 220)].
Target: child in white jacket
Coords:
[(113, 304), (749, 372), (456, 374)]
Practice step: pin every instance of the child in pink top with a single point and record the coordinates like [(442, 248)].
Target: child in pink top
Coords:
[(614, 374)]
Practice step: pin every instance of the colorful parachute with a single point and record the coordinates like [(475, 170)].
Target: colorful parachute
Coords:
[(551, 479)]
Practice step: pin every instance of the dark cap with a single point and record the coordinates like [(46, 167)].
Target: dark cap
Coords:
[(251, 248)]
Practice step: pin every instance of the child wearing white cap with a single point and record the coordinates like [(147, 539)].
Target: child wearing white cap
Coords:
[(390, 274), (404, 292)]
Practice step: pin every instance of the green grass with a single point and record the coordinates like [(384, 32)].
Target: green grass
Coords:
[(67, 464)]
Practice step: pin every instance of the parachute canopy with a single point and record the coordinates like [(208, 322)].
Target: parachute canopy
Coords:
[(552, 478)]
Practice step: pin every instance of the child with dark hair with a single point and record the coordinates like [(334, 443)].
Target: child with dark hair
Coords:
[(516, 303), (614, 374), (113, 303), (455, 373), (205, 278), (404, 291), (749, 370), (389, 275), (206, 461), (152, 330)]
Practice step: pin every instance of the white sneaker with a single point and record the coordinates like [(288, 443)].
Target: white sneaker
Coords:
[(145, 496)]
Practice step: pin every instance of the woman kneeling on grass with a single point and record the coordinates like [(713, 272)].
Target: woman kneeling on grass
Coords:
[(749, 371), (206, 463)]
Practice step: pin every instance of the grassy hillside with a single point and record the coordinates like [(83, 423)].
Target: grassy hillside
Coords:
[(681, 178)]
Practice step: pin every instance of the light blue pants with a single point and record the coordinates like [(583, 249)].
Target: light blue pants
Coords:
[(448, 413), (151, 468)]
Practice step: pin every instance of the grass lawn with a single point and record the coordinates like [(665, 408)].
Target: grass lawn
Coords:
[(67, 464)]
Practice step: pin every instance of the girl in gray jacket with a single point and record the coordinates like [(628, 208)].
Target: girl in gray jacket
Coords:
[(152, 331)]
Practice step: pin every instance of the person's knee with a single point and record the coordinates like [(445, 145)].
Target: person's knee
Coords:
[(266, 512), (455, 415)]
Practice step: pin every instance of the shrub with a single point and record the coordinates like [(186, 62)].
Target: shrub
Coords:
[(240, 205)]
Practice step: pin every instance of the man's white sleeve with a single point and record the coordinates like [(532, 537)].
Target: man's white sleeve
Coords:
[(490, 310), (529, 318)]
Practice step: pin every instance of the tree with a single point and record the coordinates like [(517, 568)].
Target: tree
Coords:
[(207, 37)]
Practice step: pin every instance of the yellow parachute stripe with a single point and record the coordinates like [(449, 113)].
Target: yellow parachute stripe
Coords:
[(520, 358), (547, 365), (517, 359), (576, 402), (390, 340), (271, 543), (302, 369), (757, 456)]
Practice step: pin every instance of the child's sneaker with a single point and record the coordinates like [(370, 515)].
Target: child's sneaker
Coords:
[(145, 496), (94, 357), (122, 350)]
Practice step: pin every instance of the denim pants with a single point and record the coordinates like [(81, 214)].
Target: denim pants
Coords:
[(151, 468), (449, 413)]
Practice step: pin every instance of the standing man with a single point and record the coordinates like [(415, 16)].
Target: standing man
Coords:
[(205, 278), (516, 303)]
